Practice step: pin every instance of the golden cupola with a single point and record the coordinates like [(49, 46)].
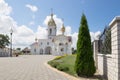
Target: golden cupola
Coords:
[(51, 22), (63, 29)]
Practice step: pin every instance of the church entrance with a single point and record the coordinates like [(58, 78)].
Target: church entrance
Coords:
[(41, 51), (48, 50)]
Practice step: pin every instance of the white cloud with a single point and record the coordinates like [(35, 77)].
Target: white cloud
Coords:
[(32, 7), (41, 32), (6, 22), (68, 30), (24, 31), (74, 39), (23, 37), (95, 35), (4, 8)]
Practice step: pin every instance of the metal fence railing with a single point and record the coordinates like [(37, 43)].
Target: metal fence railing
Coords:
[(104, 44)]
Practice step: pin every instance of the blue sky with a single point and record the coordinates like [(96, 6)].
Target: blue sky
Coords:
[(98, 12), (30, 17)]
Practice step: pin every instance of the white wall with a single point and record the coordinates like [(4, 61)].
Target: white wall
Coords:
[(109, 65)]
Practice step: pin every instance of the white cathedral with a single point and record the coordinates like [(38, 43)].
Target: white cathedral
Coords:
[(54, 44)]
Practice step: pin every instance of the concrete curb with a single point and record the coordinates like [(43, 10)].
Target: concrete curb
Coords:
[(63, 73)]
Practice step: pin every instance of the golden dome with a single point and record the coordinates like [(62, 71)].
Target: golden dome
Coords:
[(51, 22), (63, 29)]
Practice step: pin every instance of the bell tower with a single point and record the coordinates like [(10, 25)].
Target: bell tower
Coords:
[(51, 28), (63, 29)]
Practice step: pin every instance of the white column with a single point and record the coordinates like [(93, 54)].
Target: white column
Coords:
[(95, 51)]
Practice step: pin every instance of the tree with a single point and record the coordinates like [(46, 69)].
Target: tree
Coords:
[(18, 49), (84, 65), (4, 41), (73, 51)]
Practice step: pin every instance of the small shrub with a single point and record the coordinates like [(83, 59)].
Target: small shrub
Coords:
[(20, 53), (62, 68), (53, 64), (74, 52), (58, 57), (59, 61), (65, 55)]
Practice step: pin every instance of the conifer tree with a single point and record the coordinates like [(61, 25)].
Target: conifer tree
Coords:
[(84, 65)]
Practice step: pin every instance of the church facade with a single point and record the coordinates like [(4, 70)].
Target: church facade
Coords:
[(54, 44)]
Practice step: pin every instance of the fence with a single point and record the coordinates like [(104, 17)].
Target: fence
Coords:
[(104, 43), (107, 51), (4, 52)]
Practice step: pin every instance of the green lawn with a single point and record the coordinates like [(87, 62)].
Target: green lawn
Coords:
[(64, 63)]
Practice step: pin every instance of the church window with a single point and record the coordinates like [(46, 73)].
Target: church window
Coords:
[(69, 39), (55, 29), (50, 31), (52, 40), (62, 50), (47, 43), (34, 50), (41, 43), (60, 44), (66, 43)]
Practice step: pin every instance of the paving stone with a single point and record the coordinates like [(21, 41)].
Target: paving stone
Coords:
[(28, 67)]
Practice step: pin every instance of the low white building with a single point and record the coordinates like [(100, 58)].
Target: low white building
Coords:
[(55, 44)]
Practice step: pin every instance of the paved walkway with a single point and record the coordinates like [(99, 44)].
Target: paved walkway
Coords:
[(28, 67)]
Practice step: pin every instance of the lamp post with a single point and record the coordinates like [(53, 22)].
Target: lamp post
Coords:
[(0, 41), (11, 32), (36, 45)]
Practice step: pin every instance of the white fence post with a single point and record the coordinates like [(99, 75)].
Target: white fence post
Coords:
[(95, 51)]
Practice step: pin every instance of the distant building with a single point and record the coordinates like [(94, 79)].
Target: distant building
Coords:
[(26, 51), (54, 44)]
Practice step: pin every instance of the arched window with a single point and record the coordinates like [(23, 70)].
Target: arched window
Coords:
[(60, 44), (66, 43), (48, 50), (47, 43), (41, 51), (41, 43), (69, 39), (52, 40), (34, 50), (50, 31), (62, 49)]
